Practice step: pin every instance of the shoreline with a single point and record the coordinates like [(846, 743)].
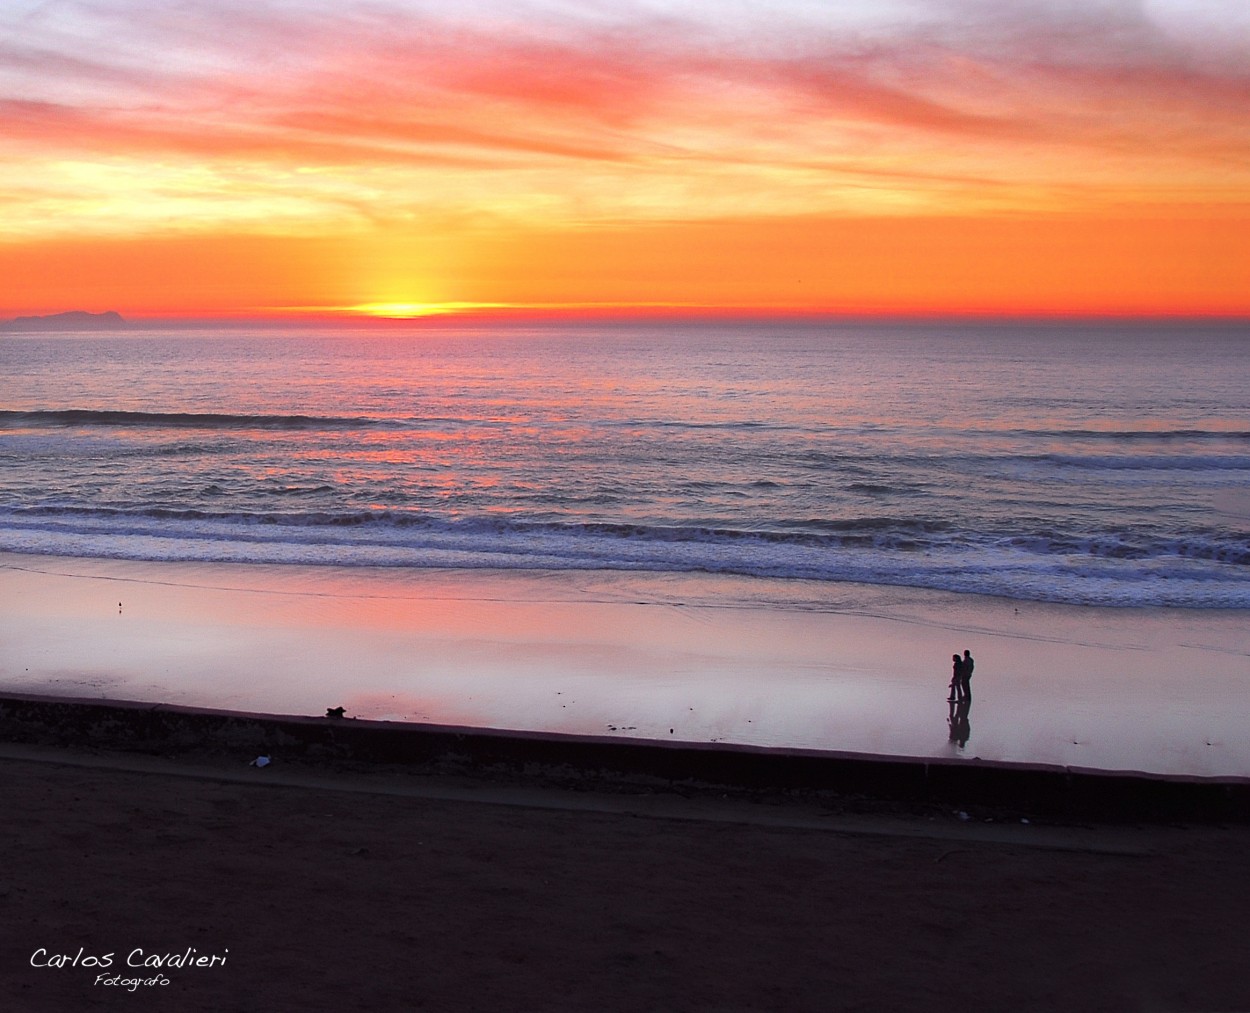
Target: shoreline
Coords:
[(633, 657)]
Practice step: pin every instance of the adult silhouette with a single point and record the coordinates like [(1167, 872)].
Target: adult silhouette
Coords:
[(957, 678)]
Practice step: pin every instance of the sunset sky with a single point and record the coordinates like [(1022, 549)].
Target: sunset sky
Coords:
[(258, 157)]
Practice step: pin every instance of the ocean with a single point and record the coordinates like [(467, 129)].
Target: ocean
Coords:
[(1093, 464)]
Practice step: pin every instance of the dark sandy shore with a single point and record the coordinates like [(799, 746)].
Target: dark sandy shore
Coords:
[(334, 884)]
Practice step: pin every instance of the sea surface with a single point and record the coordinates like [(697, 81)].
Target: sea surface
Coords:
[(1093, 464)]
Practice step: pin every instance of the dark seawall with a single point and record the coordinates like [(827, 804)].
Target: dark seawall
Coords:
[(584, 761)]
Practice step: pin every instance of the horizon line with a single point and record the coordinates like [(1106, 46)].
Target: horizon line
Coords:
[(463, 313)]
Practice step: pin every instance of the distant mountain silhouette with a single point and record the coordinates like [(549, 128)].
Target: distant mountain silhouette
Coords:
[(74, 320)]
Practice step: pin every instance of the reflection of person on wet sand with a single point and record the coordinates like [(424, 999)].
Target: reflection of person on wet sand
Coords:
[(958, 719)]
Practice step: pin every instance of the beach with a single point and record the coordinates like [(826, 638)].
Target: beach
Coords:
[(671, 657), (326, 883), (328, 887)]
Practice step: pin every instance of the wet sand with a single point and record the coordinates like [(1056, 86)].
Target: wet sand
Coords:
[(330, 887), (688, 658)]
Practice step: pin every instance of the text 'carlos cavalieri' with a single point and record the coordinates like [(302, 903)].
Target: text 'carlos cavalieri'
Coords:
[(136, 958)]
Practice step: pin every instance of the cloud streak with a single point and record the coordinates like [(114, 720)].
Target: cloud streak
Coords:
[(133, 118)]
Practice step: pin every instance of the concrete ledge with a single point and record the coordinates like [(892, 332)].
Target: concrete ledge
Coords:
[(1026, 789)]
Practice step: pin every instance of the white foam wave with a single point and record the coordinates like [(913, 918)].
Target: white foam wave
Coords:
[(1175, 573)]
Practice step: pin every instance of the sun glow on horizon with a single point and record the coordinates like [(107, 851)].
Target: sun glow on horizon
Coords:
[(398, 160), (412, 310)]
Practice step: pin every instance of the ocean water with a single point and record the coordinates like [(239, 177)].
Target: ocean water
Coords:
[(1100, 464)]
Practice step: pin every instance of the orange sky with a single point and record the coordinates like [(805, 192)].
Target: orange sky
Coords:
[(898, 156)]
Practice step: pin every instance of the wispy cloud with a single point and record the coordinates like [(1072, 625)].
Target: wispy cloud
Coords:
[(588, 112)]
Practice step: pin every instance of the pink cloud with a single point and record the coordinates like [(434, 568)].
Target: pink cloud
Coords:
[(473, 86)]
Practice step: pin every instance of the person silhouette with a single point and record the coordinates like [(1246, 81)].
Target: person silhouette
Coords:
[(965, 676), (957, 671)]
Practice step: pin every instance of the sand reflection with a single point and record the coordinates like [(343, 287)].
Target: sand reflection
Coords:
[(684, 658)]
